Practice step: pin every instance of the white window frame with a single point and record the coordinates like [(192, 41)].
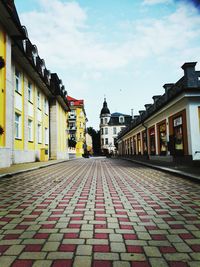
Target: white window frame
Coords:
[(18, 88), (121, 119), (39, 133), (38, 100), (30, 92), (114, 130), (30, 130), (106, 131), (18, 126), (46, 134), (46, 107)]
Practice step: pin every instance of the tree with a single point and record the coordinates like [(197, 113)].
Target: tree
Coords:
[(95, 139)]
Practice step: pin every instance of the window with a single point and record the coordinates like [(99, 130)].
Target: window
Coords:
[(139, 143), (101, 121), (114, 130), (162, 138), (178, 135), (17, 81), (102, 142), (101, 130), (71, 103), (121, 119), (17, 126), (30, 91), (30, 130), (39, 133), (106, 141), (152, 141), (46, 107), (38, 99), (105, 120), (46, 131), (106, 130), (144, 139)]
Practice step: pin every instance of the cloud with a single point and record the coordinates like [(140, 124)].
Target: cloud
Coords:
[(155, 2), (88, 61)]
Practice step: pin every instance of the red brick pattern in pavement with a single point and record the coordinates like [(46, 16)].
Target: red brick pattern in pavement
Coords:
[(99, 212)]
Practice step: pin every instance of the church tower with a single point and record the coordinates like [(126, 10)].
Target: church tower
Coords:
[(104, 120)]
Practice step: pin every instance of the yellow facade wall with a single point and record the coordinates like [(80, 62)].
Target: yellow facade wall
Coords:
[(31, 145), (80, 132), (3, 88), (61, 129), (19, 143)]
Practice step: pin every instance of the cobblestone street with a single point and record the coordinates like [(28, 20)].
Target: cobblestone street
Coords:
[(99, 213)]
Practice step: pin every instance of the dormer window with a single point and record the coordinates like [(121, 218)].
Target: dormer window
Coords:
[(121, 119), (106, 120)]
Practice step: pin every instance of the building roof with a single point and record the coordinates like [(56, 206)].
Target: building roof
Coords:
[(75, 102), (189, 83), (118, 114), (105, 109), (114, 120)]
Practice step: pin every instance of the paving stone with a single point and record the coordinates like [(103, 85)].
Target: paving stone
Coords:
[(14, 250), (133, 257), (51, 246), (152, 252), (106, 256), (121, 264), (195, 256), (42, 263), (177, 256), (86, 234), (84, 250), (155, 262), (143, 236), (59, 255), (32, 255), (81, 261), (73, 241), (117, 247), (55, 237), (6, 261), (115, 237), (182, 247)]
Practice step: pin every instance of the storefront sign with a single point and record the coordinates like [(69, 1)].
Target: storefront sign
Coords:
[(178, 121)]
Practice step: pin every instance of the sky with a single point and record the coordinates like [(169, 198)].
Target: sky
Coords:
[(124, 50)]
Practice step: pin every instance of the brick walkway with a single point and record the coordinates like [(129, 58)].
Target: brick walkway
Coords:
[(99, 212)]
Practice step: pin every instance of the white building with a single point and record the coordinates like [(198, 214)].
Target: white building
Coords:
[(110, 126), (169, 128)]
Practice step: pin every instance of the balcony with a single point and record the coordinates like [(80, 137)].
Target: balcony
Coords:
[(72, 117)]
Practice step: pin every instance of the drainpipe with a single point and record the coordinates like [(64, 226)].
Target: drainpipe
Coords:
[(146, 129), (49, 132)]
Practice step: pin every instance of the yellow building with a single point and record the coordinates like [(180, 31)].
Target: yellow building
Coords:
[(77, 125), (33, 102)]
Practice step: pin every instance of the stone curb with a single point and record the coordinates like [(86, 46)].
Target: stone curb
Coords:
[(166, 169), (10, 174)]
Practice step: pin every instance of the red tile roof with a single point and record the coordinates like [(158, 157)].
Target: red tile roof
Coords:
[(76, 102)]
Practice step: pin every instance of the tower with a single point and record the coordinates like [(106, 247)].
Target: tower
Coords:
[(104, 129)]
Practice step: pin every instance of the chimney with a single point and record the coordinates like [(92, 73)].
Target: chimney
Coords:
[(132, 113), (168, 86), (155, 97), (190, 76), (147, 106)]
